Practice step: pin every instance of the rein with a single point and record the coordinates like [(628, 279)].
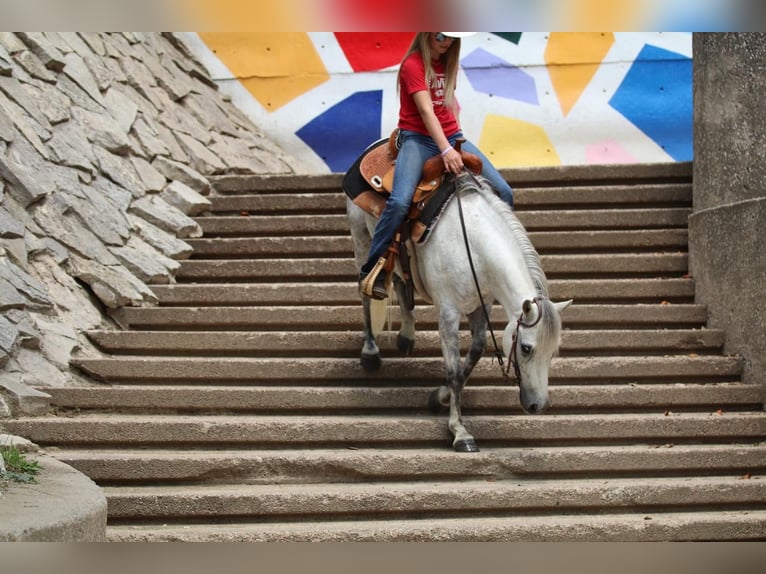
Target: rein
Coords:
[(512, 359)]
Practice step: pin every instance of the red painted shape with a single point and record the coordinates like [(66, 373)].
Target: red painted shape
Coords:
[(367, 51)]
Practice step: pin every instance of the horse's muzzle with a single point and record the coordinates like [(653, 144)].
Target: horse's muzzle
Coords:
[(534, 405), (536, 408)]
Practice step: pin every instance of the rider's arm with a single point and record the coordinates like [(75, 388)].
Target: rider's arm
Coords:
[(452, 160)]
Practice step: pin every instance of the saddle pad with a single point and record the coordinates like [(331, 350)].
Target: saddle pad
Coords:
[(437, 203)]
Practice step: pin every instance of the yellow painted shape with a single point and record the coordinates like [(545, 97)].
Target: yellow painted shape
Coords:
[(513, 143), (606, 15), (254, 16), (573, 59), (275, 68)]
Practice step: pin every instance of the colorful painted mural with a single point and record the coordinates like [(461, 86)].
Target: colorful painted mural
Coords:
[(527, 99)]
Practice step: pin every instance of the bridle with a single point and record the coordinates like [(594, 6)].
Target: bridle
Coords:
[(512, 358)]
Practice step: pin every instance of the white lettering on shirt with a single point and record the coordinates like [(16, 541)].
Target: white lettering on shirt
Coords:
[(437, 90)]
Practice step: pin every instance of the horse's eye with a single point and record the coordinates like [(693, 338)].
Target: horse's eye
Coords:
[(526, 349)]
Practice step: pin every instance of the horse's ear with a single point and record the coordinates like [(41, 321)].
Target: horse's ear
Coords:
[(562, 305), (526, 306)]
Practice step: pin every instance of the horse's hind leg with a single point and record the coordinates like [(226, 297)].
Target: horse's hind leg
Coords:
[(405, 339), (370, 352), (360, 234)]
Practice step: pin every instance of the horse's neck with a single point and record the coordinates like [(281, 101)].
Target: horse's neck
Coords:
[(514, 281), (512, 295), (504, 272)]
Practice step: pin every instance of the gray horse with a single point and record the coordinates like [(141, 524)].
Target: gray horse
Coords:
[(478, 241)]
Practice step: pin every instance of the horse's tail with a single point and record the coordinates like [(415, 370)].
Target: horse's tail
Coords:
[(378, 315)]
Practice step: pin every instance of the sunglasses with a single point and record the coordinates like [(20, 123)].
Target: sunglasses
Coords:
[(440, 37)]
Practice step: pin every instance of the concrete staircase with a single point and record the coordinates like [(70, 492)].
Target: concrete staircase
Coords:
[(237, 408)]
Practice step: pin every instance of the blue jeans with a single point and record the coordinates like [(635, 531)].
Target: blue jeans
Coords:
[(415, 150)]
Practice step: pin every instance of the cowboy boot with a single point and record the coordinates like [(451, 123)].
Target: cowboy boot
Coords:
[(374, 283)]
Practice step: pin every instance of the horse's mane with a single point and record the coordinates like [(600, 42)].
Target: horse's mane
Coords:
[(550, 324), (531, 257)]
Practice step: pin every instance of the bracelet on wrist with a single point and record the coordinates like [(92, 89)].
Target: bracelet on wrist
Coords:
[(446, 150)]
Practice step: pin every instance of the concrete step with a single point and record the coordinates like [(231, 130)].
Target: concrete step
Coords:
[(307, 202), (533, 220), (590, 175), (636, 240), (292, 503), (273, 225), (341, 246), (348, 344), (524, 197), (348, 399), (237, 408), (252, 466), (343, 268), (545, 176), (634, 290), (727, 525), (328, 371), (234, 431), (275, 184), (617, 195), (349, 317), (334, 246)]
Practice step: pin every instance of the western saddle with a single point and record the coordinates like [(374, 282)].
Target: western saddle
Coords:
[(369, 182)]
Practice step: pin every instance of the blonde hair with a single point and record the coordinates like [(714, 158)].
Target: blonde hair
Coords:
[(451, 58)]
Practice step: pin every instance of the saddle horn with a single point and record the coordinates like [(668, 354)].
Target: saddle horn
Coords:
[(470, 160), (434, 166)]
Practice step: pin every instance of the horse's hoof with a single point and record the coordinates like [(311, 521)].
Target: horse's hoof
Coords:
[(405, 345), (466, 445), (371, 362), (434, 405)]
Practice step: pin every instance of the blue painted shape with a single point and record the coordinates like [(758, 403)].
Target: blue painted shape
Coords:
[(341, 133), (697, 21), (492, 75), (656, 96)]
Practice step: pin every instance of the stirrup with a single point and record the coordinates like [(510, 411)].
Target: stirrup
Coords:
[(375, 285)]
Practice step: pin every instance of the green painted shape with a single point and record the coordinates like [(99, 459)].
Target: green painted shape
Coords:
[(510, 36)]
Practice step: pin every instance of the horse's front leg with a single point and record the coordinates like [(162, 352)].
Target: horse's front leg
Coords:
[(463, 441), (370, 352), (449, 333), (405, 339), (477, 321)]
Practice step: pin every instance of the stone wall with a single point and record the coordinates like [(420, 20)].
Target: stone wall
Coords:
[(727, 231), (107, 141)]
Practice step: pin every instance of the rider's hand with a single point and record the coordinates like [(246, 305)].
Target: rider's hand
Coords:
[(453, 161)]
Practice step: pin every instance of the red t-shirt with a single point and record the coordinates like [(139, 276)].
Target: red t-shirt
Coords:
[(412, 79)]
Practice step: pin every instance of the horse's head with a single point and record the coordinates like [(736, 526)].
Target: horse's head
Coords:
[(530, 344)]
